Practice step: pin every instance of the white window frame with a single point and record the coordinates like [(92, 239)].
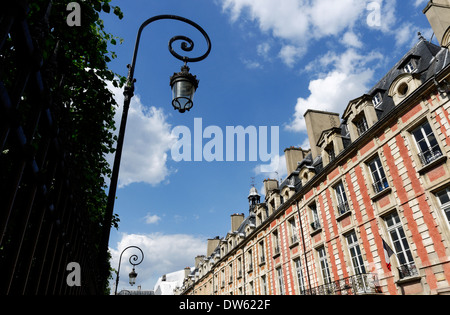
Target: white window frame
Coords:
[(299, 272), (377, 100), (276, 243), (315, 224), (378, 171), (263, 285), (324, 267), (410, 67), (445, 207), (355, 253), (434, 151), (398, 237), (293, 230), (341, 198), (361, 125), (280, 281)]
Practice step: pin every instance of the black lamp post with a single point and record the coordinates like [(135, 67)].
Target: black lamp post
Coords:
[(134, 261), (183, 86)]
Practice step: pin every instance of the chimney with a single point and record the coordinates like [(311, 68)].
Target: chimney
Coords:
[(187, 271), (198, 260), (212, 245), (293, 156), (236, 221), (316, 123), (438, 15), (269, 185)]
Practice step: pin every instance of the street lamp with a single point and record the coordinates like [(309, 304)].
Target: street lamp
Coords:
[(183, 86), (134, 261), (132, 276)]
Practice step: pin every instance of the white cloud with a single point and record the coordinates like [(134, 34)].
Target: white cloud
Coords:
[(296, 22), (152, 219), (162, 254), (350, 39), (263, 50), (420, 3), (291, 54), (148, 138), (348, 78), (278, 164)]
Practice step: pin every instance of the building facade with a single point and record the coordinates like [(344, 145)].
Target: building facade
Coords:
[(367, 209)]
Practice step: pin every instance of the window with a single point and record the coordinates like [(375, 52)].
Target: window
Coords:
[(410, 66), (280, 280), (427, 144), (403, 252), (330, 152), (222, 276), (380, 182), (346, 130), (276, 245), (341, 198), (239, 275), (252, 288), (263, 285), (324, 266), (299, 273), (315, 225), (403, 89), (377, 100), (355, 254), (230, 272), (293, 231), (444, 200), (262, 257), (250, 261), (361, 125)]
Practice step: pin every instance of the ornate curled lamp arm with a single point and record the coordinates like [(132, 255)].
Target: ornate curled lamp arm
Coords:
[(134, 261), (187, 45)]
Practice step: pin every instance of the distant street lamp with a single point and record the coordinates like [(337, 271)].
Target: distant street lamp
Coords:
[(183, 86), (134, 261)]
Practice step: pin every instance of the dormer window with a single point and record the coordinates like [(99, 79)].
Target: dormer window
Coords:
[(346, 131), (330, 152), (361, 125), (411, 66), (377, 100)]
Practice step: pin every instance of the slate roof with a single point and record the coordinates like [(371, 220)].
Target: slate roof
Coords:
[(430, 59)]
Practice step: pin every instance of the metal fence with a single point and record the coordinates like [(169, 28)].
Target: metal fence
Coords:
[(43, 226), (356, 285)]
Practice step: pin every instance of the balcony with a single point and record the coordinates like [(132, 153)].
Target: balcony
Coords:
[(380, 186), (430, 155), (316, 225), (343, 207), (355, 285), (262, 260), (276, 251), (407, 271)]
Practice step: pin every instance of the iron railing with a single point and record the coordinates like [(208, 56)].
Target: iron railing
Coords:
[(43, 225), (407, 270), (430, 155), (355, 285), (343, 207)]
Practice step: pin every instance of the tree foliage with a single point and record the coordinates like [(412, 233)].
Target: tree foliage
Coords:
[(75, 70)]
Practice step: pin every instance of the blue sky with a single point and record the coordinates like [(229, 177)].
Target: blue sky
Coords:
[(271, 60)]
